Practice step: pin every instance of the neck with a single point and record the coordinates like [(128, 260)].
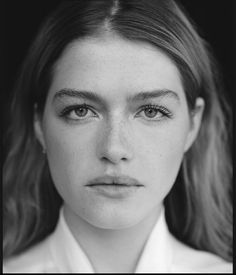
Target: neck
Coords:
[(111, 250)]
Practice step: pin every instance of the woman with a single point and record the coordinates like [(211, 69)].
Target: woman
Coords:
[(118, 159)]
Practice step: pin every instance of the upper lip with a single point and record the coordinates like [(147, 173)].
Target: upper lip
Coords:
[(116, 180)]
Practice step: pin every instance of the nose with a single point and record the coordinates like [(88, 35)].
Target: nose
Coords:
[(115, 143)]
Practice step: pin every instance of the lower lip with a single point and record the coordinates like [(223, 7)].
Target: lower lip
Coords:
[(115, 191)]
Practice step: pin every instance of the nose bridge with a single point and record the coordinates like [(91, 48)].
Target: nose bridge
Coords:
[(116, 140), (116, 129)]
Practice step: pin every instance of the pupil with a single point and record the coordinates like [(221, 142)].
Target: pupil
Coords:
[(150, 112), (81, 111)]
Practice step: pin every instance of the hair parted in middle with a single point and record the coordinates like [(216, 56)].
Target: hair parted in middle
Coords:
[(197, 210)]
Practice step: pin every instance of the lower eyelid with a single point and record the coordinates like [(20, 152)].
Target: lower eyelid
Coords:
[(93, 114), (162, 110), (69, 109)]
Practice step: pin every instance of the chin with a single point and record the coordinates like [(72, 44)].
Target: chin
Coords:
[(112, 224), (113, 220)]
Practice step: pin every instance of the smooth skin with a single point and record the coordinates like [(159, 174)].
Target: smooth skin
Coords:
[(116, 133)]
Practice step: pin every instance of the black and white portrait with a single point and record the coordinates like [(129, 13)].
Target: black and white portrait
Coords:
[(118, 137)]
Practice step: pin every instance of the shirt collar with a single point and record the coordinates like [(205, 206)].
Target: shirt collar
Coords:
[(157, 253), (69, 256), (67, 253)]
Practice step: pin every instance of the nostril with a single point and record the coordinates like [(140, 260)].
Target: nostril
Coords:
[(113, 159), (114, 147)]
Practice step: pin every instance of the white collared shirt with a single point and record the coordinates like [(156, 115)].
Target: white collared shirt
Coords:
[(163, 253)]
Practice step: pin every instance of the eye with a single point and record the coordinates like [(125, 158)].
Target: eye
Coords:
[(154, 112), (78, 112)]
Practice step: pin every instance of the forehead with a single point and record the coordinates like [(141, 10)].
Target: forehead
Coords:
[(115, 66)]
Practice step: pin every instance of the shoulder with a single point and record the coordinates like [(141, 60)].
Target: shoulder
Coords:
[(36, 259), (187, 259)]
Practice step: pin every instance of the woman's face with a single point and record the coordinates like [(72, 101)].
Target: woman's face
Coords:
[(115, 128)]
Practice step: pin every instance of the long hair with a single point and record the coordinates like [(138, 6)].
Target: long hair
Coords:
[(199, 206)]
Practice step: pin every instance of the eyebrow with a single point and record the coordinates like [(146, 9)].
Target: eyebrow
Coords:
[(92, 96)]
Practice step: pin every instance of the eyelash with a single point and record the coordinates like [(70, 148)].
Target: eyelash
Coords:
[(165, 112), (67, 111)]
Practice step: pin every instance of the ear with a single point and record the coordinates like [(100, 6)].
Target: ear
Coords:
[(38, 128), (195, 122)]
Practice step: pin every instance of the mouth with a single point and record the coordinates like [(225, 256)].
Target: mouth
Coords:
[(119, 181), (114, 187), (110, 185)]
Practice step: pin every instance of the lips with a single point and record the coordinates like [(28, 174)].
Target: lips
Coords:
[(114, 187), (119, 181)]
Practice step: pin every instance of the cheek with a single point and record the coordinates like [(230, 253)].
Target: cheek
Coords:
[(69, 153), (162, 155)]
